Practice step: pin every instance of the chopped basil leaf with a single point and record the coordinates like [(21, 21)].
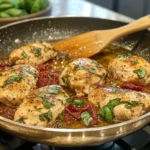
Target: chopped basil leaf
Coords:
[(46, 116), (122, 56), (55, 54), (11, 79), (78, 103), (46, 103), (64, 56), (141, 73), (37, 51), (24, 54), (92, 70), (113, 84), (60, 117), (21, 120), (54, 89), (78, 67), (86, 118), (68, 101), (132, 104), (66, 80), (107, 110), (107, 113)]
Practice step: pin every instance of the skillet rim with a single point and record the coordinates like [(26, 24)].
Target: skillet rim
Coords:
[(66, 129)]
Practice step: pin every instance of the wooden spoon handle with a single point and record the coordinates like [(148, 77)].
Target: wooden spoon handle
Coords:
[(138, 25)]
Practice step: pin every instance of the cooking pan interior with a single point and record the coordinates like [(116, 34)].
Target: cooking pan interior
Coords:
[(52, 29)]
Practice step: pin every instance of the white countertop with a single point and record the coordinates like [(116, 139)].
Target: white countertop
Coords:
[(84, 8)]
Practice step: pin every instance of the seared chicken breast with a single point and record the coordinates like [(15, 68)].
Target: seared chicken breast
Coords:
[(82, 74), (119, 104), (33, 54), (130, 69), (42, 107), (17, 82)]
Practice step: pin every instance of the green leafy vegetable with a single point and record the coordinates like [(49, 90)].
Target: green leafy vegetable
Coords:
[(5, 6), (37, 51), (24, 54), (86, 118), (46, 103), (68, 101), (20, 120), (60, 117), (64, 56), (78, 67), (92, 70), (54, 89), (11, 79), (107, 111), (141, 73), (122, 56), (78, 103), (132, 104), (66, 80), (46, 116)]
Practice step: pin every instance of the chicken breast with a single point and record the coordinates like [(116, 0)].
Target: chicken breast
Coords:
[(42, 107), (33, 54), (130, 69), (82, 74), (119, 104), (17, 82)]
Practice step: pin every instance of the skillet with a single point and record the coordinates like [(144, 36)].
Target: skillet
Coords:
[(57, 28)]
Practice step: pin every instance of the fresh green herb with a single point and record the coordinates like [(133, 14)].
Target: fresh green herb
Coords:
[(24, 54), (86, 118), (32, 73), (78, 103), (131, 104), (46, 116), (92, 70), (55, 89), (46, 103), (60, 117), (21, 120), (64, 56), (107, 113), (66, 80), (141, 73), (37, 51), (55, 54), (107, 110), (11, 79), (68, 101), (122, 56), (78, 67), (113, 84)]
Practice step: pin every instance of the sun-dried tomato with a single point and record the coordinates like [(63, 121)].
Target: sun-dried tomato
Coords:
[(132, 86)]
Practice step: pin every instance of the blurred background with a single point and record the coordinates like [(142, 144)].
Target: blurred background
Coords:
[(131, 8)]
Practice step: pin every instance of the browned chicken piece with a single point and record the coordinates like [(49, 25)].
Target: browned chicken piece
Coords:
[(32, 54), (17, 82), (82, 74), (118, 104), (42, 107), (130, 69)]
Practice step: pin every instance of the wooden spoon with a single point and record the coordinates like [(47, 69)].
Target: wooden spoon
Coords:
[(91, 43)]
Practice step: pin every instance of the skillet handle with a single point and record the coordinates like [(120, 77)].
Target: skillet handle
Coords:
[(138, 25)]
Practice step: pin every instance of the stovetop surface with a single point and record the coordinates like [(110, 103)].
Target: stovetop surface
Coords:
[(139, 140)]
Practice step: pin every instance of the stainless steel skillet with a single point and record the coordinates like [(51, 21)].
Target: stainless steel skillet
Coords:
[(51, 29)]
